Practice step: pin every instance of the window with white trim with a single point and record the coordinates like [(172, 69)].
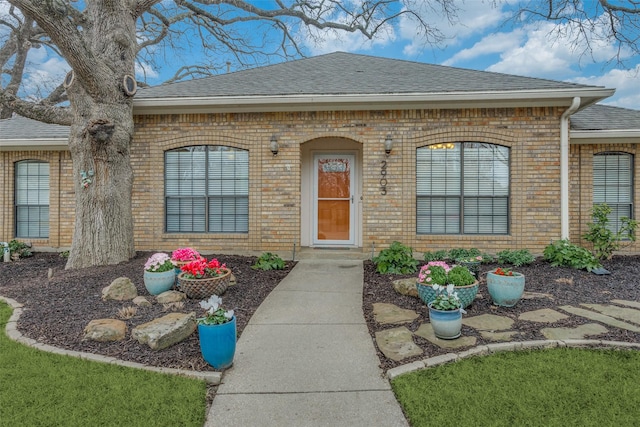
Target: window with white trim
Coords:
[(462, 188), (32, 199), (613, 185), (207, 190)]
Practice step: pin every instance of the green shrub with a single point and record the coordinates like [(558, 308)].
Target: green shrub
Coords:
[(604, 240), (440, 255), (460, 253), (64, 254), (564, 253), (19, 249), (515, 257), (460, 276), (269, 261), (396, 259)]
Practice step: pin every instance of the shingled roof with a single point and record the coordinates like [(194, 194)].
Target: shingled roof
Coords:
[(19, 127), (349, 74), (605, 117)]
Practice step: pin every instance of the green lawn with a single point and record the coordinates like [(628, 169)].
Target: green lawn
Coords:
[(43, 389), (556, 387)]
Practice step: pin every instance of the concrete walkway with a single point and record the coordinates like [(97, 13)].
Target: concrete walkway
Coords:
[(306, 357)]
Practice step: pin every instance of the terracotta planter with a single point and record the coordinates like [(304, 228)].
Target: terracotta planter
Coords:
[(204, 288)]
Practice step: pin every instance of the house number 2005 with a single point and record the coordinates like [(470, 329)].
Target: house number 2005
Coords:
[(383, 178)]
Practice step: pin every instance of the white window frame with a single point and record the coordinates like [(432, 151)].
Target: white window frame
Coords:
[(613, 187)]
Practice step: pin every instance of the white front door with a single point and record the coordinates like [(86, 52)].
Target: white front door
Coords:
[(334, 208)]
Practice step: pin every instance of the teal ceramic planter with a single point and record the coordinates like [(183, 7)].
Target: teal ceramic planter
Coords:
[(505, 291), (157, 283), (218, 343), (466, 293), (446, 324)]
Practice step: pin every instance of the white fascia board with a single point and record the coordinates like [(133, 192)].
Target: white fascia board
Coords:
[(35, 144), (615, 136), (497, 99)]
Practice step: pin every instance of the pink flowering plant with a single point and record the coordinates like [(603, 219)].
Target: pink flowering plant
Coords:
[(215, 314), (158, 263), (185, 254), (201, 269), (434, 273)]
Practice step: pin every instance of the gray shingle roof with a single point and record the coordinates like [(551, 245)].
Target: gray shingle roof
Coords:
[(19, 127), (347, 73), (605, 117)]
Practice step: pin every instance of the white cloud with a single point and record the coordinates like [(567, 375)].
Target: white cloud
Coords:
[(145, 71), (626, 83), (44, 73), (491, 44)]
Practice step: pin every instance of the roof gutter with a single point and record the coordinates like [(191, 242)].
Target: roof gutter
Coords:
[(43, 144), (605, 136), (564, 167)]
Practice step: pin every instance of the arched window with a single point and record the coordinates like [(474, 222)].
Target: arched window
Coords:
[(613, 185), (207, 190), (32, 199), (462, 188)]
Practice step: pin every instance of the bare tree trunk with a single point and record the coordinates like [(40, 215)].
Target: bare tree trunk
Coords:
[(99, 143)]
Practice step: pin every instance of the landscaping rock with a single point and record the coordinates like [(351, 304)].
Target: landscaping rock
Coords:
[(397, 343), (141, 302), (121, 289), (498, 336), (385, 314), (628, 314), (170, 296), (166, 330), (406, 287), (105, 330)]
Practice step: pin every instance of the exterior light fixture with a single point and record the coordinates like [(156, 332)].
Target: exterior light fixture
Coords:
[(273, 146), (388, 145)]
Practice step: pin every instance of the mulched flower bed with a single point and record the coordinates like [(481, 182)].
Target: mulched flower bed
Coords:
[(566, 285), (57, 310)]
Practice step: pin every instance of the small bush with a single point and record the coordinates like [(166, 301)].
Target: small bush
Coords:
[(269, 261), (564, 253), (64, 254), (460, 253), (518, 257), (605, 241), (460, 276), (396, 259), (440, 255), (19, 249)]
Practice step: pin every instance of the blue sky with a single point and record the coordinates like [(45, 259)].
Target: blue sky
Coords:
[(483, 40)]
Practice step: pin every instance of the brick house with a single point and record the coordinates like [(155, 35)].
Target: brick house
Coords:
[(344, 150)]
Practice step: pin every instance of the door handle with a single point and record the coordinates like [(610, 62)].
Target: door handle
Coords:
[(352, 199)]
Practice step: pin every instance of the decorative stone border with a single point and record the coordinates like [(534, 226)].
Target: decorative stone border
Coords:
[(212, 378), (484, 350)]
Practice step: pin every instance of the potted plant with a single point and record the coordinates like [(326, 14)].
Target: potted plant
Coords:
[(440, 273), (217, 333), (472, 263), (445, 312), (182, 256), (505, 286), (201, 278), (159, 274)]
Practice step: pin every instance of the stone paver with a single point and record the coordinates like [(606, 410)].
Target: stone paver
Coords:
[(598, 317), (488, 322), (426, 331), (397, 343), (580, 332), (534, 295), (622, 313), (635, 304), (385, 314), (498, 336), (545, 315)]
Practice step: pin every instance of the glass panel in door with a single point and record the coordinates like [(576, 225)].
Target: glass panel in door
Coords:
[(333, 199)]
